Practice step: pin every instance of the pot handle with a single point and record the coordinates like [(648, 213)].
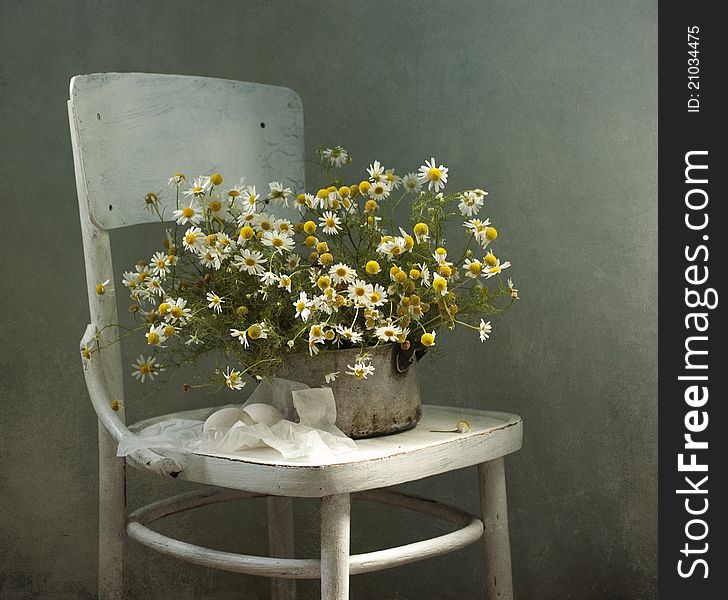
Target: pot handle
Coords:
[(404, 359)]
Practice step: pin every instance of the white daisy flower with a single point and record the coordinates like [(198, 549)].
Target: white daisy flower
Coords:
[(241, 335), (378, 296), (330, 223), (376, 171), (249, 199), (342, 273), (193, 239), (103, 289), (380, 190), (331, 376), (257, 331), (470, 204), (155, 336), (496, 268), (473, 268), (279, 241), (153, 287), (361, 369), (317, 334), (392, 179), (215, 302), (160, 263), (192, 213), (144, 368), (284, 226), (264, 222), (268, 278), (485, 330), (435, 177), (337, 156), (512, 290), (424, 274), (194, 339), (176, 180), (293, 261), (284, 281), (210, 258), (359, 292), (233, 379), (392, 247), (278, 192), (388, 332), (131, 280), (303, 306), (178, 311), (349, 334), (477, 228), (200, 186), (250, 261), (411, 183)]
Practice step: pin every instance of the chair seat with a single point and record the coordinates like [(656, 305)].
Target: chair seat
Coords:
[(377, 462)]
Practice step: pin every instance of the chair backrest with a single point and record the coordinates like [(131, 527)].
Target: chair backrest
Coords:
[(131, 131), (135, 130)]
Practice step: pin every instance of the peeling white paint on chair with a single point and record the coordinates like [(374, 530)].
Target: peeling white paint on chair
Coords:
[(137, 128)]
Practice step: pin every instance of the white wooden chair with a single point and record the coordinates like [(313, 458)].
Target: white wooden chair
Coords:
[(129, 131)]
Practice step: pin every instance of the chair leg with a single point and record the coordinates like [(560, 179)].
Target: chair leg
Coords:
[(112, 519), (335, 534), (281, 542), (494, 510)]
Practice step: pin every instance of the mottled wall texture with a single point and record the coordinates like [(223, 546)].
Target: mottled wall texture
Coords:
[(550, 105)]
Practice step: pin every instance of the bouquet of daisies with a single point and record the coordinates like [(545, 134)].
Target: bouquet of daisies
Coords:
[(235, 280)]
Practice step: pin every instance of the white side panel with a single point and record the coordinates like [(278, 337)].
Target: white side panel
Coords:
[(135, 130)]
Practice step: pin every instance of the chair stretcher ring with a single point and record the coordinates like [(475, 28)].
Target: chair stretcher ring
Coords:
[(470, 530)]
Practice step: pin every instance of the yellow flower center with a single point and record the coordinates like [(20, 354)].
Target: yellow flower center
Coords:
[(197, 189), (300, 305), (396, 250), (427, 339), (169, 330), (190, 239), (441, 252), (415, 273), (375, 297), (364, 186), (283, 227), (255, 331), (490, 259), (146, 369), (330, 222), (153, 338), (372, 267), (251, 262), (188, 212), (440, 284), (491, 233), (316, 331), (242, 310), (389, 333), (475, 268), (341, 272), (378, 190), (216, 179), (233, 193), (265, 225), (215, 205), (360, 291), (323, 282), (100, 289), (309, 227), (247, 232), (434, 174), (277, 242), (164, 308)]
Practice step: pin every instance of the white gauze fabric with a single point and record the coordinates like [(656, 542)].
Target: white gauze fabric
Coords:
[(229, 430)]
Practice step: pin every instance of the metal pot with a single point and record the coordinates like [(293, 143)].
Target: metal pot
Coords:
[(387, 401)]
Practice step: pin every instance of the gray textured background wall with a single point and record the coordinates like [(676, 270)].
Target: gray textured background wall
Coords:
[(549, 105)]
